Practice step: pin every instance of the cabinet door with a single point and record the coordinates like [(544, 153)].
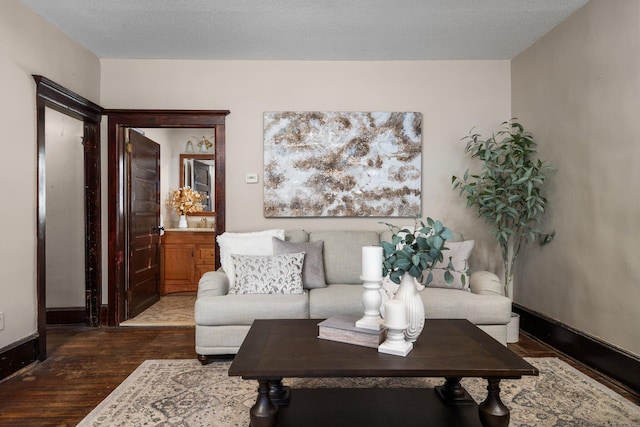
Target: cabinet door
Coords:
[(179, 265)]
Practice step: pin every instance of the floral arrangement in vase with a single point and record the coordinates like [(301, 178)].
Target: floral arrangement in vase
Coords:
[(417, 251), (186, 200), (410, 254)]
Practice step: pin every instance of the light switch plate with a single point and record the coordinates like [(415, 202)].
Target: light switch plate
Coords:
[(251, 178)]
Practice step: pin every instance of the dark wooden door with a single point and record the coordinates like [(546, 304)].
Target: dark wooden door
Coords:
[(144, 219)]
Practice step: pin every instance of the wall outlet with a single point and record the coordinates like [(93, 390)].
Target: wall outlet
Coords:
[(251, 178), (1, 320)]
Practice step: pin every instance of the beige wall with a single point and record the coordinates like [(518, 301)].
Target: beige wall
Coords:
[(578, 91), (28, 45), (453, 96), (65, 211)]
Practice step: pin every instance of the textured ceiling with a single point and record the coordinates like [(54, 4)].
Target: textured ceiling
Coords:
[(306, 29)]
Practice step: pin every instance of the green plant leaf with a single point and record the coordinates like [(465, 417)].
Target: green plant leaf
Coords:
[(429, 278), (448, 277)]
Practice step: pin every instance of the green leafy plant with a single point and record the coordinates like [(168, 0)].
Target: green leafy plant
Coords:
[(417, 251), (507, 192)]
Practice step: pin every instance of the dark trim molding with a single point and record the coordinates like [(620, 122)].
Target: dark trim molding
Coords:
[(67, 316), (597, 354), (104, 315), (51, 94), (18, 355)]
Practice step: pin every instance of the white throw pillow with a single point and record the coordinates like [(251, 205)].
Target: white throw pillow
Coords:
[(459, 253), (253, 243), (277, 274)]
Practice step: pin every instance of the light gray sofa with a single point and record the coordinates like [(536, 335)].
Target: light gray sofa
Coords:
[(223, 320)]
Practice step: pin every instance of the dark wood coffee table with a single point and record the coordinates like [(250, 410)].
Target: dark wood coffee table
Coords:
[(451, 349)]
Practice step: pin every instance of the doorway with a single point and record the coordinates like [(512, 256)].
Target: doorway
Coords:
[(118, 220), (54, 98)]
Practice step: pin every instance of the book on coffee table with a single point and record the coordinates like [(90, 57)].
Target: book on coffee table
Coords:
[(343, 329)]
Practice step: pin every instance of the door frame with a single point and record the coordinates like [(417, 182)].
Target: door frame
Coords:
[(118, 120), (52, 95)]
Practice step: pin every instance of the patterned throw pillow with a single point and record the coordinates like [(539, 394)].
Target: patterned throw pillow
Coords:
[(276, 274), (459, 253), (251, 243)]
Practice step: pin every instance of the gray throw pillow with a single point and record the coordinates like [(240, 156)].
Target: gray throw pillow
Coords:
[(313, 268)]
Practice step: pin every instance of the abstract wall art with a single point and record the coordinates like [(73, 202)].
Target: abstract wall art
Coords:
[(342, 164)]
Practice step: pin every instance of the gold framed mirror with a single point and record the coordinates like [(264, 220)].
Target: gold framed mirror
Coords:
[(198, 172)]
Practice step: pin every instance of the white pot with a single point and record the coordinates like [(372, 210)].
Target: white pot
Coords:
[(408, 293), (513, 328), (182, 223)]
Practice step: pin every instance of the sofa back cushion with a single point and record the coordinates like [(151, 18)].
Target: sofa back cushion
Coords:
[(343, 253), (296, 236)]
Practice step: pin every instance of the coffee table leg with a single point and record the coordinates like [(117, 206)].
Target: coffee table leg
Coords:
[(453, 392), (279, 393), (263, 413), (493, 413)]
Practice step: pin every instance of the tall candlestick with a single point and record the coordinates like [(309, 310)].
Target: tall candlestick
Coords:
[(372, 262)]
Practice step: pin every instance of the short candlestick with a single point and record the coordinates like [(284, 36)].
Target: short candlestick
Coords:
[(395, 322)]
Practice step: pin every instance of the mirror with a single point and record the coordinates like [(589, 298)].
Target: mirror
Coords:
[(198, 172)]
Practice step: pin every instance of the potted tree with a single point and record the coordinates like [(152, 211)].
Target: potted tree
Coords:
[(507, 192)]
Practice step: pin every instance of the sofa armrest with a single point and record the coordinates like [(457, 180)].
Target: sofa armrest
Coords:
[(213, 283), (485, 283)]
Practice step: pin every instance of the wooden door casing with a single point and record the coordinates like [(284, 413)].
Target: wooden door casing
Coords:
[(118, 120)]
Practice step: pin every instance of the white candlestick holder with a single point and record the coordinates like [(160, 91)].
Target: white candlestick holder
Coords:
[(371, 300), (395, 343)]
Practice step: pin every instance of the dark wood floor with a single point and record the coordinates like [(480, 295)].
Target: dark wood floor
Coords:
[(85, 364)]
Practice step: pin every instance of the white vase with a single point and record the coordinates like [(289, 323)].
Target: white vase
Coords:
[(408, 293), (182, 223)]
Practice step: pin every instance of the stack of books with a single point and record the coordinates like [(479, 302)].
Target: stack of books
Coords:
[(343, 329)]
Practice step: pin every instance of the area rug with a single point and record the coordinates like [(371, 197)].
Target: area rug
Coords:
[(171, 310), (184, 393)]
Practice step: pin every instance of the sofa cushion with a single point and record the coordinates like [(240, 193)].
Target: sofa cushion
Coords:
[(313, 268), (271, 274), (459, 253), (244, 309), (253, 243), (336, 300), (296, 236), (441, 303), (343, 253)]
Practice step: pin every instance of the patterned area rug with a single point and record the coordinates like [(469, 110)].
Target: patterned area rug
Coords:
[(171, 310), (184, 393)]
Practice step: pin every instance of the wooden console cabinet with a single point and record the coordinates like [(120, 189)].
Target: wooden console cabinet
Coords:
[(185, 257)]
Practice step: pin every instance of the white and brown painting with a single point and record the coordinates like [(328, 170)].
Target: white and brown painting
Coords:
[(319, 164)]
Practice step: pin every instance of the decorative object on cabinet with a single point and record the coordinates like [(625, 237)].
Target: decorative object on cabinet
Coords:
[(186, 256), (186, 200)]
